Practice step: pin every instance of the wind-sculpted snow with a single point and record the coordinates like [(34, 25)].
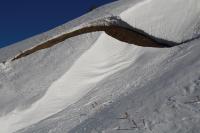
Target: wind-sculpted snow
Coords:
[(162, 20), (131, 66), (84, 75), (175, 20), (114, 27)]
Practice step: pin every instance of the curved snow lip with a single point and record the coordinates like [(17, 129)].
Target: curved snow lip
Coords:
[(111, 25)]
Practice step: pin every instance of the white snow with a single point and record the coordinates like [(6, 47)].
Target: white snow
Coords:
[(174, 20), (94, 65), (95, 83)]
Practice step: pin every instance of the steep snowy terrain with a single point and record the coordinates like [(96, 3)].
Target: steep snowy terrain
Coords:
[(130, 66)]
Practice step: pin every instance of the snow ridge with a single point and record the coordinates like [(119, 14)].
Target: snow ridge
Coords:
[(85, 77), (113, 26)]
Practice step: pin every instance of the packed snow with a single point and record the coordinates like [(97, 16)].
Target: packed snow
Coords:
[(95, 83)]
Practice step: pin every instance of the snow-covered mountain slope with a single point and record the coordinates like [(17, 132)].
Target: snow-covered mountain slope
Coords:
[(107, 71)]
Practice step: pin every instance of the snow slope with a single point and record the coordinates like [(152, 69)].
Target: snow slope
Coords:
[(93, 82), (175, 20)]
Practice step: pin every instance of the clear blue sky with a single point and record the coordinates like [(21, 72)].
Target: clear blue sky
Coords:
[(20, 19)]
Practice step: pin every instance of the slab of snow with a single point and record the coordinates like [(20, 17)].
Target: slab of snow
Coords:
[(90, 82), (174, 20), (112, 9)]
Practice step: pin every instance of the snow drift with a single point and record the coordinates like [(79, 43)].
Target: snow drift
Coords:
[(130, 66)]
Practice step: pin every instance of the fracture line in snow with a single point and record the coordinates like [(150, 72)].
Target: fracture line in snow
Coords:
[(114, 27)]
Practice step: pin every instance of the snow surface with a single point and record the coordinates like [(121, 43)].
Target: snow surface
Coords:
[(94, 83), (175, 20)]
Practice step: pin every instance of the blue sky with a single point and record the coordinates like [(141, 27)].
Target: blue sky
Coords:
[(20, 19)]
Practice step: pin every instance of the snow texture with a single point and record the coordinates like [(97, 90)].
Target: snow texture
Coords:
[(94, 83)]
